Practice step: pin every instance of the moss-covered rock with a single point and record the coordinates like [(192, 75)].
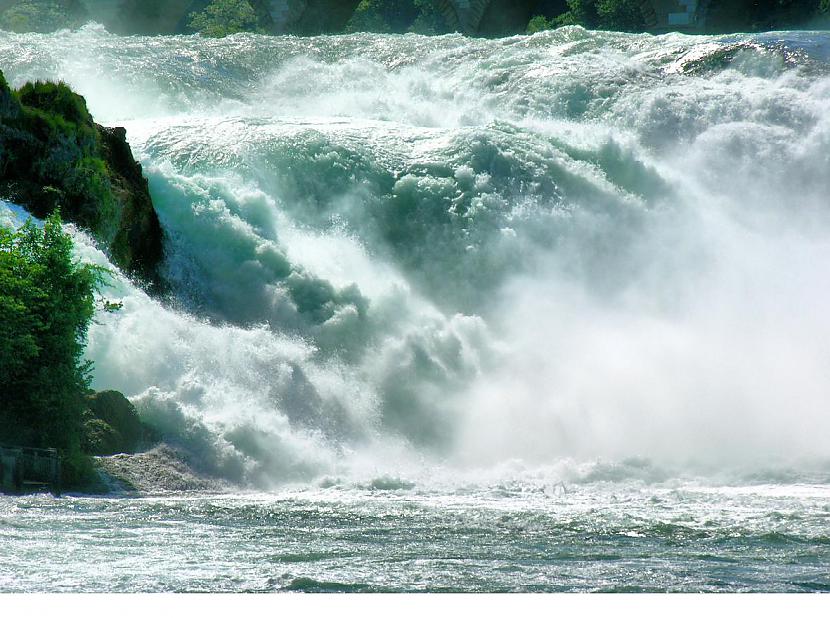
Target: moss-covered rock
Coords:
[(101, 439), (53, 154), (112, 426)]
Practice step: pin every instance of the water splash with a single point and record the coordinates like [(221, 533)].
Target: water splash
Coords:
[(392, 251)]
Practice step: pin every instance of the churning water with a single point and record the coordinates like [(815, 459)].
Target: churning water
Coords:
[(537, 313)]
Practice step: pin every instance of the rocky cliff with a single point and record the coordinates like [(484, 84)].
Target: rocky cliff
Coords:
[(53, 155)]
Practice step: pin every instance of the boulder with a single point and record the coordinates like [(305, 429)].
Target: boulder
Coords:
[(112, 425)]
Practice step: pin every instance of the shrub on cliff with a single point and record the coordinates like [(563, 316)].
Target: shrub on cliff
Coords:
[(223, 17), (52, 154), (46, 305)]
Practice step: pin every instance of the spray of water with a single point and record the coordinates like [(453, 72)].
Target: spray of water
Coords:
[(388, 252)]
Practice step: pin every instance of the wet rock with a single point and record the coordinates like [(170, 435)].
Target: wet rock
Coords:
[(112, 426), (162, 469)]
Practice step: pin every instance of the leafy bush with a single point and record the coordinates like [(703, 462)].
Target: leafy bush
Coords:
[(57, 99), (100, 438), (580, 13), (223, 17), (51, 155), (46, 305)]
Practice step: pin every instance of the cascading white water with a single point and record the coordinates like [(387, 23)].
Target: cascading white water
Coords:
[(388, 251)]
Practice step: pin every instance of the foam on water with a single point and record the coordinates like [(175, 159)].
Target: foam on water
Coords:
[(402, 257)]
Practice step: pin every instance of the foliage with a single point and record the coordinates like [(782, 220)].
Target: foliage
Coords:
[(224, 17), (580, 13), (46, 306), (369, 16), (50, 154), (56, 99), (42, 15), (53, 154), (419, 16), (540, 23), (619, 15)]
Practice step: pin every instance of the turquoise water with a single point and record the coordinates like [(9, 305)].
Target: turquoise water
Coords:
[(539, 313)]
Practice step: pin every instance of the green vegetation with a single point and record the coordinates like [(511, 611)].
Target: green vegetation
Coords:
[(217, 18), (49, 154), (539, 23), (42, 15), (55, 160), (619, 15), (46, 305), (47, 302), (399, 16), (52, 154), (223, 17)]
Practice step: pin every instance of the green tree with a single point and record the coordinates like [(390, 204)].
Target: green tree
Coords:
[(46, 305), (223, 17)]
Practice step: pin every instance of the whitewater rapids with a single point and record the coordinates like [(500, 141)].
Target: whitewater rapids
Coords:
[(444, 259)]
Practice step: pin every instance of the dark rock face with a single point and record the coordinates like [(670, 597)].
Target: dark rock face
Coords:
[(53, 154), (112, 426), (506, 17), (138, 242), (324, 16)]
